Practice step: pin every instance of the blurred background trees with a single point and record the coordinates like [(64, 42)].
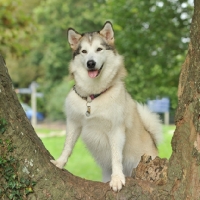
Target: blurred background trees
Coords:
[(151, 35)]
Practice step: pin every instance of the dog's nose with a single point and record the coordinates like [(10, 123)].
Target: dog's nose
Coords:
[(91, 64)]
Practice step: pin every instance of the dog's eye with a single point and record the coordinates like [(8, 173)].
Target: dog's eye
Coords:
[(84, 51), (99, 49)]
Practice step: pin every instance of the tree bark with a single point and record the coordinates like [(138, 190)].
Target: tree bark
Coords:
[(26, 172)]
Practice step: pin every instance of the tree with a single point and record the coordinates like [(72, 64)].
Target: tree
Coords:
[(17, 25), (14, 26), (26, 173), (153, 36)]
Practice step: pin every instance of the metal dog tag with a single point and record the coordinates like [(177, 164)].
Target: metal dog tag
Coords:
[(89, 100), (88, 111)]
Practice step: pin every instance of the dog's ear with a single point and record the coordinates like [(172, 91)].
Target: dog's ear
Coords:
[(107, 32), (73, 38)]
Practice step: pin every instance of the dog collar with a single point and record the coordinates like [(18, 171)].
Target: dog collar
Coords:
[(92, 96), (88, 99)]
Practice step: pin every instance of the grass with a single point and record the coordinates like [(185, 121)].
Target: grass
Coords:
[(165, 149), (82, 164)]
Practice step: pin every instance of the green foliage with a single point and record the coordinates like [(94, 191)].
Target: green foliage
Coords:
[(17, 35), (152, 35), (55, 100), (11, 185), (3, 124), (15, 26)]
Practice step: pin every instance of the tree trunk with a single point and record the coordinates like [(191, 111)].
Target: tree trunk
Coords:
[(26, 172)]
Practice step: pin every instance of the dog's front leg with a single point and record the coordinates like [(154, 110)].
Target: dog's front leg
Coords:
[(117, 140), (72, 133)]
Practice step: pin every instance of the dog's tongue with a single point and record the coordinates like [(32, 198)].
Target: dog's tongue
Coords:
[(93, 74)]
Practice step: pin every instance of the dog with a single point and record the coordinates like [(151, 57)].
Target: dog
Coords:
[(115, 128)]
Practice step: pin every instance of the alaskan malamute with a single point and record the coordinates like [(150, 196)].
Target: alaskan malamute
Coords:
[(116, 129)]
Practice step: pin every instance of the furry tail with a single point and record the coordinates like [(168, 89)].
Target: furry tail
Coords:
[(152, 123)]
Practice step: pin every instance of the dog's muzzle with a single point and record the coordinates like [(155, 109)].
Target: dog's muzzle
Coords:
[(92, 72), (91, 64)]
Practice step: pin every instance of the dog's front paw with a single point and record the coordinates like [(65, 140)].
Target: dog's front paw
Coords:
[(117, 181), (58, 163)]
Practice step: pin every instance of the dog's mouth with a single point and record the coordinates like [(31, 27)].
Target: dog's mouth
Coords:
[(94, 72)]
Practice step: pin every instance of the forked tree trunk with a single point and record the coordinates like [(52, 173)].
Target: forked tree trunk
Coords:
[(26, 173)]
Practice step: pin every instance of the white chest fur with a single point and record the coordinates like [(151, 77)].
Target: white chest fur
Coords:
[(96, 128)]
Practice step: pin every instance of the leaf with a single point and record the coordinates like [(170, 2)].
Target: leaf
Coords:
[(3, 124)]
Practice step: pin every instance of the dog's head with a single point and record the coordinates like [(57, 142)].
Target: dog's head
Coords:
[(91, 49)]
